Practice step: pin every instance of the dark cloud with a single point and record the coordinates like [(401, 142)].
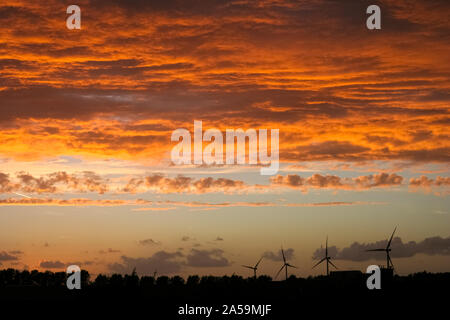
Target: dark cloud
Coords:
[(207, 258), (149, 242), (110, 250), (379, 180), (436, 95), (187, 7), (321, 181), (381, 140), (162, 261), (5, 183), (81, 264), (426, 182), (4, 256), (16, 252), (6, 64), (72, 103), (335, 182), (180, 183), (425, 155), (137, 142), (86, 181), (357, 251), (334, 148), (52, 264), (270, 255), (421, 135), (119, 70), (147, 127)]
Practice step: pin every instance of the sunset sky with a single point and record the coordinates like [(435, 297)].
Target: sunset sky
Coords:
[(86, 118)]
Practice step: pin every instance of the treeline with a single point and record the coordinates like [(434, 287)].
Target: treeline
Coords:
[(13, 277), (164, 295)]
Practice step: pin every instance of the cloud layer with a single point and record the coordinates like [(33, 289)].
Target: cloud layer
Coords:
[(277, 256), (165, 262), (89, 182), (357, 251), (118, 89)]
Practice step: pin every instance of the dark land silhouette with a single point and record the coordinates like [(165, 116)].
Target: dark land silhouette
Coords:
[(343, 292)]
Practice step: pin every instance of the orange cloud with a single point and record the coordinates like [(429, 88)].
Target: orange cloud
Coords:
[(183, 184), (156, 205), (90, 182), (117, 89), (155, 209), (335, 182), (440, 185), (54, 182), (424, 181), (70, 202)]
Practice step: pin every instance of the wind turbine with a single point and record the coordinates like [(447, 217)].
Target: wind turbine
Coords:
[(327, 258), (389, 263), (285, 265), (253, 268)]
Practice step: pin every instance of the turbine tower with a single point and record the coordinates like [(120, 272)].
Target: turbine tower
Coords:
[(326, 258), (253, 268), (285, 265), (389, 263)]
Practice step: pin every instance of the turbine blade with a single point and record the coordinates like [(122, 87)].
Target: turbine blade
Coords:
[(247, 267), (280, 271), (284, 258), (290, 265), (332, 263), (319, 263), (376, 250), (391, 262), (390, 240), (256, 266)]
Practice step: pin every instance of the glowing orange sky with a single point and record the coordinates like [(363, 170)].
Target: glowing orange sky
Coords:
[(119, 86), (86, 115)]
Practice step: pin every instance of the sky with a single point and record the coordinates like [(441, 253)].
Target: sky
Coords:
[(86, 119)]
